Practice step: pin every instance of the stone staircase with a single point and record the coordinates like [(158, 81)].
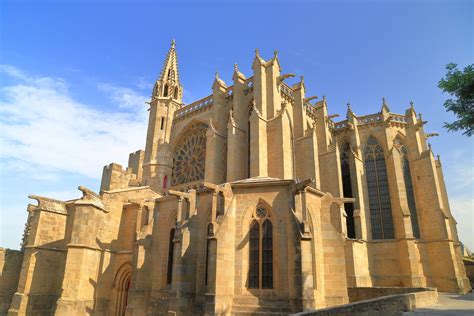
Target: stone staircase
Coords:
[(268, 305)]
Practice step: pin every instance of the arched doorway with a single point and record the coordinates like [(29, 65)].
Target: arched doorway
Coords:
[(122, 286)]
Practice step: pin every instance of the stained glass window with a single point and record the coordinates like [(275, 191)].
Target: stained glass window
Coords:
[(267, 255), (169, 274), (254, 253), (347, 189), (261, 251), (378, 191), (189, 156)]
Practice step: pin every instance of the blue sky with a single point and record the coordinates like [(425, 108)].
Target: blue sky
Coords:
[(75, 75)]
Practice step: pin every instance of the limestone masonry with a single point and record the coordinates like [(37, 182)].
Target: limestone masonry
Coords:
[(252, 199)]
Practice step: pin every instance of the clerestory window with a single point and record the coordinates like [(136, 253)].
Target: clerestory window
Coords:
[(378, 190)]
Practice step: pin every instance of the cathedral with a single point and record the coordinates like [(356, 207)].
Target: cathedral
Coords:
[(253, 199)]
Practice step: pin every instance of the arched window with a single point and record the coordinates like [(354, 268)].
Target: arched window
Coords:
[(408, 186), (189, 155), (165, 91), (169, 274), (260, 251), (377, 186), (347, 189), (176, 93)]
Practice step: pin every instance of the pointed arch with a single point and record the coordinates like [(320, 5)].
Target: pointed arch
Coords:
[(378, 190), (122, 286), (165, 90), (260, 275)]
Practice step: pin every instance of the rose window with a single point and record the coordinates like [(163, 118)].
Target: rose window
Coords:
[(190, 155)]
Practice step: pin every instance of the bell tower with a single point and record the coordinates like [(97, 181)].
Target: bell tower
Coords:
[(166, 98)]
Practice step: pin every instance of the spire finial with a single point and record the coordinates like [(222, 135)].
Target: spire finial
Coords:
[(173, 43), (275, 53), (217, 74), (236, 67), (383, 101), (257, 52), (412, 104), (302, 78), (324, 97), (349, 106)]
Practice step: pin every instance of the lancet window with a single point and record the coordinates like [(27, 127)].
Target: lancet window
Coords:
[(189, 155), (378, 191), (408, 186), (260, 250), (347, 188)]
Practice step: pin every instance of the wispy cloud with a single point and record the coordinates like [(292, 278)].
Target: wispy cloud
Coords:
[(42, 125)]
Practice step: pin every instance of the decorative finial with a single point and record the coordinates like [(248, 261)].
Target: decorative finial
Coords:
[(419, 117), (217, 74), (302, 78), (324, 97), (349, 106), (236, 67), (412, 104), (173, 43), (256, 52), (383, 101), (438, 157), (275, 53)]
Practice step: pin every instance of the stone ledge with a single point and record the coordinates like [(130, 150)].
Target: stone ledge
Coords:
[(391, 304)]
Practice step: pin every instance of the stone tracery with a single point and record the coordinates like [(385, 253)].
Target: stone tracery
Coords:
[(190, 155)]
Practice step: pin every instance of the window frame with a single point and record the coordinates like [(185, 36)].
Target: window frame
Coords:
[(260, 224)]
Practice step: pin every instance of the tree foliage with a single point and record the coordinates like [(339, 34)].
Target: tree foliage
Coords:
[(460, 85)]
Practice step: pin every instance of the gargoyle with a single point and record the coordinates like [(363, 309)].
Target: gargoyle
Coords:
[(285, 76)]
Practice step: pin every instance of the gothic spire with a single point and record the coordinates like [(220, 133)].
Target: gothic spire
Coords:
[(168, 84)]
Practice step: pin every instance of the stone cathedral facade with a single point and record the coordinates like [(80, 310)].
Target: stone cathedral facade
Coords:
[(252, 199)]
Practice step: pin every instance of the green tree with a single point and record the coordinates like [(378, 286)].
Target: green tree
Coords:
[(460, 85)]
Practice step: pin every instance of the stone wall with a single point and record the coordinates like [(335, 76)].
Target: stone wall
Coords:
[(469, 265), (10, 266), (389, 305)]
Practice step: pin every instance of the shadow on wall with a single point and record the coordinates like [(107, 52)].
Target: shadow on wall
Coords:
[(10, 266)]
